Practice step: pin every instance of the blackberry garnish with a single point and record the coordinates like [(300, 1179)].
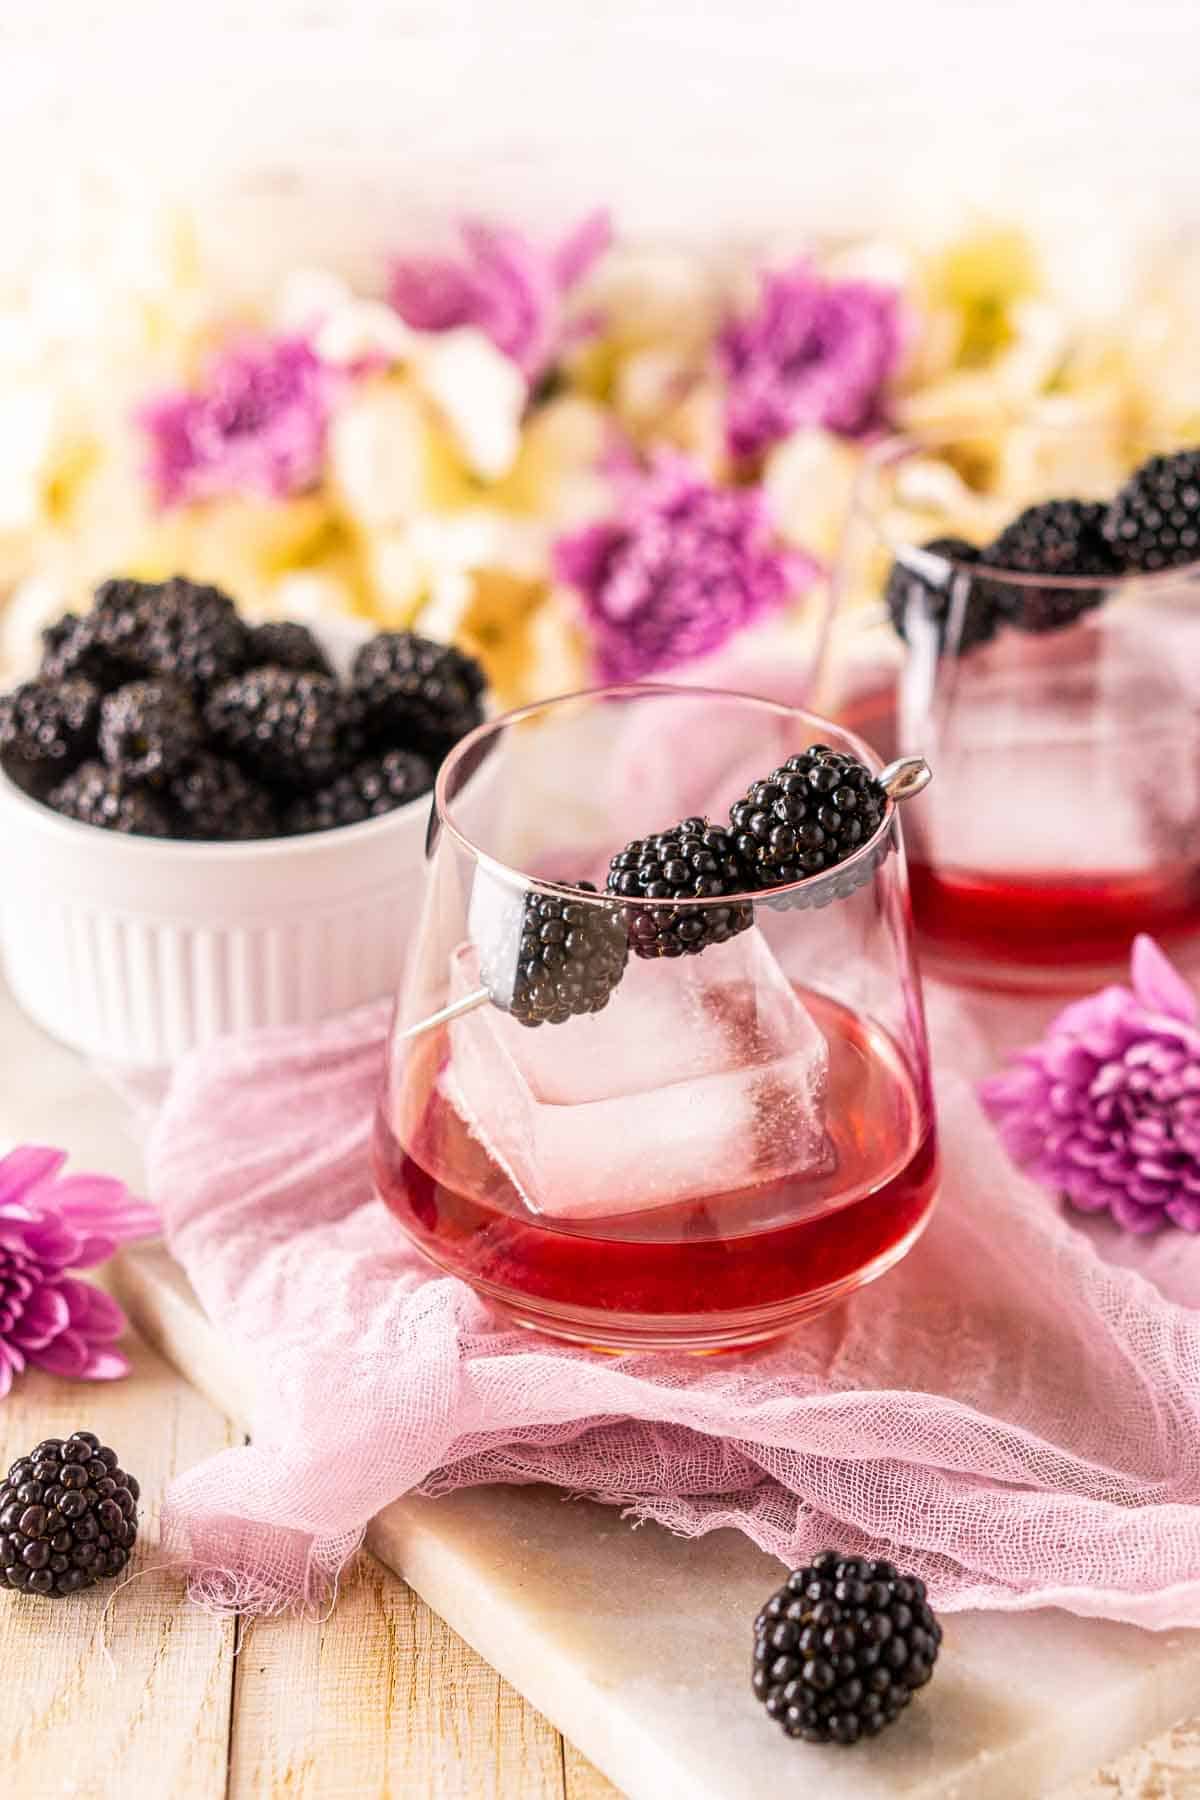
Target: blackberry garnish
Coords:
[(283, 726), (191, 632), (148, 730), (373, 787), (286, 645), (95, 795), (569, 957), (911, 595), (46, 730), (416, 693), (841, 1648), (1154, 522), (1060, 537), (215, 801), (68, 1517), (691, 861), (807, 816)]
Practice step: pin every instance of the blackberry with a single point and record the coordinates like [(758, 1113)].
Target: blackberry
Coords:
[(68, 1517), (691, 861), (214, 801), (282, 725), (1154, 522), (376, 786), (807, 816), (148, 730), (841, 1647), (935, 598), (191, 632), (567, 958), (1060, 537), (95, 795), (416, 693), (285, 645), (104, 647), (46, 730)]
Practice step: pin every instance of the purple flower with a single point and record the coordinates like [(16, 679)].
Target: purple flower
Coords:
[(686, 567), (507, 286), (1106, 1109), (49, 1225), (256, 425), (813, 352)]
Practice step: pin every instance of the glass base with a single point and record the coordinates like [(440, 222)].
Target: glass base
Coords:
[(700, 1335)]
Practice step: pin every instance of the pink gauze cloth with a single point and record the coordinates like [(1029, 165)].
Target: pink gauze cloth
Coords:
[(1014, 1412)]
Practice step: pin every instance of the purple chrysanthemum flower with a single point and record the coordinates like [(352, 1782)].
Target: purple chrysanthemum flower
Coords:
[(813, 352), (507, 286), (50, 1225), (684, 568), (256, 425), (1106, 1109)]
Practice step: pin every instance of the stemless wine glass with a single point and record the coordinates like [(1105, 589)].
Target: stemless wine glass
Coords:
[(743, 1132), (1062, 715)]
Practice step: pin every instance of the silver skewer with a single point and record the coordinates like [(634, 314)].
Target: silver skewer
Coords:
[(905, 778), (901, 780)]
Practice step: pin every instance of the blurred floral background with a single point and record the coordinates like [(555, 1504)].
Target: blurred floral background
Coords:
[(580, 457)]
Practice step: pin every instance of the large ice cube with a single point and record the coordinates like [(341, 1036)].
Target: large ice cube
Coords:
[(1050, 759), (700, 1075)]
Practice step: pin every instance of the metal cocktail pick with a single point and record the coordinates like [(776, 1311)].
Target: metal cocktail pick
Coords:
[(902, 780)]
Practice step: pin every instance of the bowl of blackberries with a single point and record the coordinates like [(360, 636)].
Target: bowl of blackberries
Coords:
[(210, 825)]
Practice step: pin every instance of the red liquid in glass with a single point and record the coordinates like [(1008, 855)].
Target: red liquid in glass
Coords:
[(725, 1269), (1036, 920)]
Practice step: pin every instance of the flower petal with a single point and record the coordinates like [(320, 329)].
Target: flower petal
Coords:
[(23, 1169), (104, 1365), (92, 1311), (44, 1315), (67, 1354), (1159, 985)]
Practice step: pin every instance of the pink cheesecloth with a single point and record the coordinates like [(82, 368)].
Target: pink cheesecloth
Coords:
[(1013, 1413)]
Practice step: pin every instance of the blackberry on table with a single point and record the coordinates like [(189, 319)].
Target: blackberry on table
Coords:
[(96, 795), (807, 816), (416, 693), (149, 729), (68, 1517), (569, 957), (911, 594), (373, 787), (285, 645), (282, 725), (841, 1647), (1060, 537), (214, 801), (1154, 522), (46, 730), (692, 861)]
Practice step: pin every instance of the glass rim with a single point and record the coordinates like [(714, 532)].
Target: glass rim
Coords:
[(635, 690), (893, 448)]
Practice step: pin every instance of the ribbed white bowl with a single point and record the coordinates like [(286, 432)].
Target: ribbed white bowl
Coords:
[(138, 949)]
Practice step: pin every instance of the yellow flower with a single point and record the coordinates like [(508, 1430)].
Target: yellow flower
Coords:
[(979, 280)]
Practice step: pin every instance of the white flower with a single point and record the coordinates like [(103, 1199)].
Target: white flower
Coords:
[(480, 393), (809, 479), (379, 455), (343, 329)]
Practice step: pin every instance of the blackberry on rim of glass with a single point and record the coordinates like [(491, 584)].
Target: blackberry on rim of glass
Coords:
[(694, 860), (564, 959)]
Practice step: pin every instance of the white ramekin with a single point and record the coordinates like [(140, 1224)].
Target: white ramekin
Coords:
[(138, 949)]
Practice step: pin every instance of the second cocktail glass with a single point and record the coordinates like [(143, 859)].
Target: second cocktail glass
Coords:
[(1062, 715)]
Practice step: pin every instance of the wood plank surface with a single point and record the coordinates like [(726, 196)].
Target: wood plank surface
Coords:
[(155, 1722)]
